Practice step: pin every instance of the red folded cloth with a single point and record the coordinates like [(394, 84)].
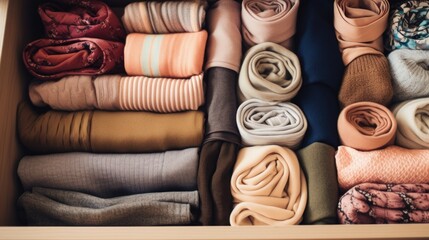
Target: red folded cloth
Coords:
[(49, 59), (67, 19)]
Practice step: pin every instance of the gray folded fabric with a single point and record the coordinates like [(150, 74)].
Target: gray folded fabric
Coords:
[(108, 175), (45, 206)]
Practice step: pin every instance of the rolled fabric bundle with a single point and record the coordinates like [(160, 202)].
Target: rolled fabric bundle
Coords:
[(164, 17), (224, 42), (366, 126), (390, 165), (369, 203), (115, 92), (269, 21), (51, 207), (318, 163), (412, 120), (65, 19), (359, 26), (271, 123), (409, 26), (268, 187), (178, 55), (49, 59), (406, 67), (111, 175), (119, 132), (269, 72)]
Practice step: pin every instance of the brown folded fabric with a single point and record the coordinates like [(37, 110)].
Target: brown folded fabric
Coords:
[(367, 78), (99, 131), (366, 126), (65, 19), (49, 59)]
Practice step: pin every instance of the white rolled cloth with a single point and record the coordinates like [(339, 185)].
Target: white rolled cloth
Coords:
[(265, 123), (412, 118)]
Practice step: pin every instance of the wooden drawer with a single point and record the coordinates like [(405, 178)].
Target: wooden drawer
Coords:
[(19, 25)]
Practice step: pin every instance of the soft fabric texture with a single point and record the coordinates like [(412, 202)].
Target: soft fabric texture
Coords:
[(367, 78), (98, 131), (318, 164), (109, 175), (409, 26), (269, 72), (269, 21), (366, 126), (271, 123), (51, 207), (360, 25), (215, 167), (369, 203), (390, 165), (115, 92), (49, 59), (320, 106), (412, 118), (164, 17), (224, 41), (178, 55), (65, 19), (410, 73), (268, 187)]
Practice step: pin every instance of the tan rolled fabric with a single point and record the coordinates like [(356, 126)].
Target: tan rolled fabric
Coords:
[(114, 92), (268, 187), (269, 21), (97, 131), (359, 26), (269, 72), (413, 123), (224, 41), (366, 126)]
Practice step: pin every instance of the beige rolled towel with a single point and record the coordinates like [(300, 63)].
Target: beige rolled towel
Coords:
[(268, 187), (412, 118), (265, 123), (269, 72)]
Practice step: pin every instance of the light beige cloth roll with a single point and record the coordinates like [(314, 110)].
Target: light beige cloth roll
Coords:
[(268, 187), (269, 72), (265, 123), (412, 118)]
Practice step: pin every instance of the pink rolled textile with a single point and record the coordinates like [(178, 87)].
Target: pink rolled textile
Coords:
[(115, 92), (269, 21), (369, 203), (366, 126), (178, 55), (390, 165), (268, 187), (359, 26)]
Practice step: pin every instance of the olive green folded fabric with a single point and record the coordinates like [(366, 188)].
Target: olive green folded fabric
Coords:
[(318, 163)]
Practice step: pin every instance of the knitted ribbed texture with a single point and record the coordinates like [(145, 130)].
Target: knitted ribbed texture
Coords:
[(50, 207), (367, 78), (107, 175)]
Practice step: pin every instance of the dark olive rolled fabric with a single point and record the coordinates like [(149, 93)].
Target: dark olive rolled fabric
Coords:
[(52, 207), (105, 132), (318, 163)]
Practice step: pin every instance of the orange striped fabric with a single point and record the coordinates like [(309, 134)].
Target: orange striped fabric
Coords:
[(178, 55)]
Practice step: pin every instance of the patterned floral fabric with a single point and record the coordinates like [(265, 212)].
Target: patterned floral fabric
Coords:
[(409, 26), (65, 19), (49, 59), (385, 203)]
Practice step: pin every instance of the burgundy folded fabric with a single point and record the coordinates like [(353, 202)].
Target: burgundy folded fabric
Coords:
[(65, 19), (385, 203), (49, 59)]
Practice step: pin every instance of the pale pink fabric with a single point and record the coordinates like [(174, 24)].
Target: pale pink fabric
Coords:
[(268, 187), (359, 26), (390, 165)]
